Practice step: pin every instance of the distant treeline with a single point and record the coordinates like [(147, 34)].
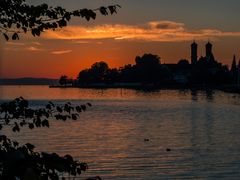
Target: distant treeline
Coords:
[(29, 81), (149, 70)]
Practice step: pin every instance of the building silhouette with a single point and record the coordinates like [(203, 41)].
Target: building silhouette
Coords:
[(194, 51), (209, 57), (202, 71), (209, 53)]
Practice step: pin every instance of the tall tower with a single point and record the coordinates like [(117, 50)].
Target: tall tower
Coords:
[(194, 49), (209, 53), (238, 80)]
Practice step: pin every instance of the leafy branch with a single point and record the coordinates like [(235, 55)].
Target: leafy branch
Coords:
[(19, 114), (23, 161), (16, 16)]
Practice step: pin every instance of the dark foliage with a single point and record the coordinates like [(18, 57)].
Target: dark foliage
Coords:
[(64, 81), (149, 70), (22, 161), (96, 74), (19, 17)]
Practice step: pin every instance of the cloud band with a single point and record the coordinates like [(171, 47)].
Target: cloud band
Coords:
[(160, 31)]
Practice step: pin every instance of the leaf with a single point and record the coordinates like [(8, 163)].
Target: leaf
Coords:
[(15, 36), (9, 24), (58, 116), (64, 118), (92, 14), (89, 104), (30, 125), (83, 166), (23, 103), (29, 113), (6, 36), (59, 109), (15, 143), (67, 16), (103, 11), (33, 32), (112, 9), (24, 29), (37, 32), (74, 116), (38, 122), (45, 123), (62, 23), (22, 124), (78, 109), (69, 158), (30, 146), (18, 25), (16, 128), (54, 25), (76, 13), (50, 102), (83, 107), (48, 106), (79, 171)]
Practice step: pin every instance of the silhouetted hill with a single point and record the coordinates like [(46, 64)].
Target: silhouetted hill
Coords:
[(29, 81)]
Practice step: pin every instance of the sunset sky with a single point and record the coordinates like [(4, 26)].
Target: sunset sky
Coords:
[(162, 27)]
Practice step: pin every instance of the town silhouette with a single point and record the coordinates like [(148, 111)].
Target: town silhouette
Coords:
[(148, 71)]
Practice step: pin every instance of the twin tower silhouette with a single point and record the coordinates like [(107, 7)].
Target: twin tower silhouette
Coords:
[(194, 52)]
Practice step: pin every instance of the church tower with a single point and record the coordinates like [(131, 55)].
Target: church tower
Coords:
[(209, 54), (194, 49)]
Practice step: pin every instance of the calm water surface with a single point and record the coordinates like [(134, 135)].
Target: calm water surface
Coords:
[(202, 129)]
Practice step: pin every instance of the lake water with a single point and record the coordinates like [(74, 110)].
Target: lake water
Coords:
[(202, 129)]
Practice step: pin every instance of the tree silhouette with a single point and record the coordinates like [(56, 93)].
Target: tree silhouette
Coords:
[(22, 162), (84, 77), (147, 60), (99, 71), (148, 70), (112, 76), (96, 74), (148, 67), (183, 62), (128, 74), (19, 17), (64, 81)]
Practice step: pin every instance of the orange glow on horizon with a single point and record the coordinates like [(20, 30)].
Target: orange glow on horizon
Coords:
[(72, 49)]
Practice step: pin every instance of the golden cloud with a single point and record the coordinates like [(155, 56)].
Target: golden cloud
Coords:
[(159, 31), (61, 52), (32, 48), (11, 43)]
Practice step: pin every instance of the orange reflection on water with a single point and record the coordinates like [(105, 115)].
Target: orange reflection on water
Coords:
[(202, 132)]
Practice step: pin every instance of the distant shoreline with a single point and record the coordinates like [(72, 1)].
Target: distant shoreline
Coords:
[(28, 81)]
